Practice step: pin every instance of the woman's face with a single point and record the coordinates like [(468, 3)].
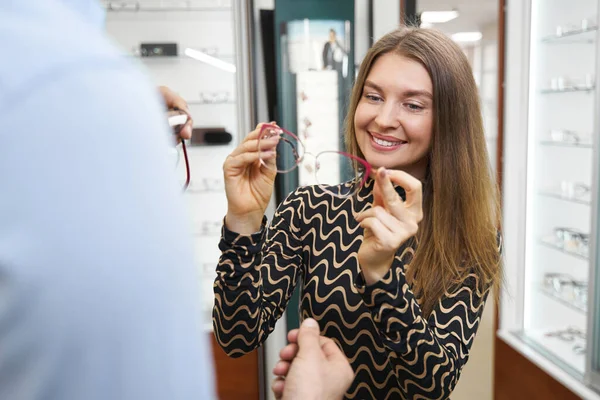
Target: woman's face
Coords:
[(394, 117)]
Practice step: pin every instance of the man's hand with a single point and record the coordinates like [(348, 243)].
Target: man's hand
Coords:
[(173, 100), (312, 367)]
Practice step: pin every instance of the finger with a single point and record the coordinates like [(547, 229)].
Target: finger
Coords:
[(390, 198), (256, 133), (245, 159), (308, 339), (288, 352), (388, 220), (293, 336), (172, 99), (383, 234), (323, 340), (253, 145), (186, 131), (277, 387), (377, 195), (413, 188), (331, 350), (281, 368), (338, 361)]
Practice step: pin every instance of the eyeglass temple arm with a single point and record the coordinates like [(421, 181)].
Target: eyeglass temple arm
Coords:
[(187, 165), (185, 156)]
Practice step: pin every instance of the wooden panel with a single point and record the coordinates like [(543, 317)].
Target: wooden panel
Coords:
[(517, 378), (237, 378)]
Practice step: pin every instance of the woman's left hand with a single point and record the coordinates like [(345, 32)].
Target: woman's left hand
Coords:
[(389, 223)]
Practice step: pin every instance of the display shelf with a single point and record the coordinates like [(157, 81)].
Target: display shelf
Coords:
[(562, 300), (166, 6), (209, 103), (583, 89), (557, 195), (551, 244), (572, 37), (582, 145)]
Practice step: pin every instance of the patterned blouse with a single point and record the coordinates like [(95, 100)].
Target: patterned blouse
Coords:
[(313, 240)]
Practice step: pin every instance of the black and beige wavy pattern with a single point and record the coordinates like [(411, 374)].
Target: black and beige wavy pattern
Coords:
[(314, 239)]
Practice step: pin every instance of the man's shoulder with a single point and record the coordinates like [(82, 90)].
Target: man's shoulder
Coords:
[(43, 47)]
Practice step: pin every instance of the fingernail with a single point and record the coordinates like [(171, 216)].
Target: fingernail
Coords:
[(382, 172), (310, 323)]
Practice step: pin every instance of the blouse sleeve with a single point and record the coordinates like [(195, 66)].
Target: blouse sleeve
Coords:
[(256, 276)]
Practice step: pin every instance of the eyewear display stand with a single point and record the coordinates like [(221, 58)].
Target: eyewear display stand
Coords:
[(550, 305)]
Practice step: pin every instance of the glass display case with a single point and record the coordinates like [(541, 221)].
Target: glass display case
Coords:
[(549, 309)]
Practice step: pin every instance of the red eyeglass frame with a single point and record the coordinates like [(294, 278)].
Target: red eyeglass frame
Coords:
[(177, 126), (299, 158)]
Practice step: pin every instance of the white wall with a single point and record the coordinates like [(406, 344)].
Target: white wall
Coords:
[(386, 17), (361, 30)]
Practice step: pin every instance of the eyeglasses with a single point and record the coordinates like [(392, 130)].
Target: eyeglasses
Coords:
[(573, 190), (572, 240), (215, 97), (564, 136), (571, 335), (568, 335), (177, 120), (332, 170), (567, 288)]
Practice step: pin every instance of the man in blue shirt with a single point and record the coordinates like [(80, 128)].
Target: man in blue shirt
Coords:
[(98, 288)]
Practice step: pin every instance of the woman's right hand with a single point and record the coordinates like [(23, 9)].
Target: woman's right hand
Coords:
[(249, 183)]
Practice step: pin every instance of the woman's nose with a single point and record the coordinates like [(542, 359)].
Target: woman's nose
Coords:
[(388, 116)]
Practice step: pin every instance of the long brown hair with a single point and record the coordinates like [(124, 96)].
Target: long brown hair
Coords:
[(459, 231)]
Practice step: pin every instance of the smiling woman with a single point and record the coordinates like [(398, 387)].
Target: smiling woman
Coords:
[(445, 129), (398, 273)]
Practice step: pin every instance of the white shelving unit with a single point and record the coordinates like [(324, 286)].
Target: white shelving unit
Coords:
[(551, 188)]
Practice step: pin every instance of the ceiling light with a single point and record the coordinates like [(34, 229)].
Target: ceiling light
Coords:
[(438, 17), (426, 25), (205, 58), (466, 36)]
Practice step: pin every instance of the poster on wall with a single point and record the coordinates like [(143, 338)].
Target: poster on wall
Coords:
[(317, 45)]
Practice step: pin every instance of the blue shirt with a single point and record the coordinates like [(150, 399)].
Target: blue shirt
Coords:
[(99, 294)]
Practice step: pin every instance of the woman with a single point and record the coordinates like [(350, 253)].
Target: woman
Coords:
[(398, 278)]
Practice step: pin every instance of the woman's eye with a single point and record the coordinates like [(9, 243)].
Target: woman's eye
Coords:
[(414, 107), (372, 97)]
